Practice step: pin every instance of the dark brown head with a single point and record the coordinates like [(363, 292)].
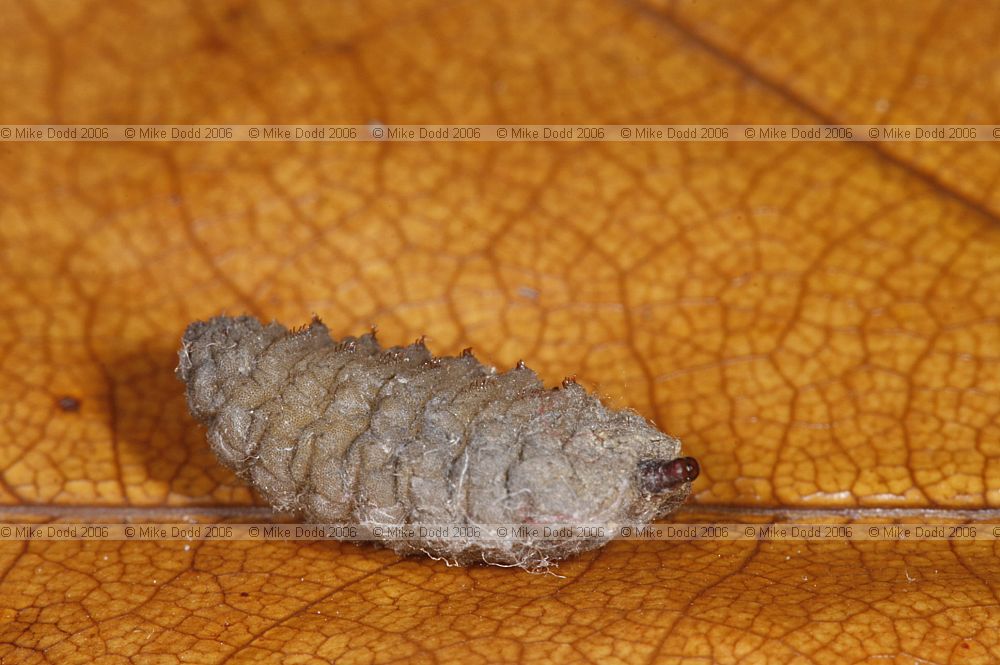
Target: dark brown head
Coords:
[(657, 476)]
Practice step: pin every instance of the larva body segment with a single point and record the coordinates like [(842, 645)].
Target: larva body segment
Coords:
[(348, 432)]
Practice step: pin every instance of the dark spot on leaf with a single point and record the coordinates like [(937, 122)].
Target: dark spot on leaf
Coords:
[(68, 404)]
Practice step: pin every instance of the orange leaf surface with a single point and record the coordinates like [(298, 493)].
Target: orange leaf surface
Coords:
[(818, 322)]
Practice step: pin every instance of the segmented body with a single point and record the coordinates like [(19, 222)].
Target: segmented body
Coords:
[(348, 432)]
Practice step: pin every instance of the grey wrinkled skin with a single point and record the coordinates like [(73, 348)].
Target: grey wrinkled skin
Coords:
[(348, 432)]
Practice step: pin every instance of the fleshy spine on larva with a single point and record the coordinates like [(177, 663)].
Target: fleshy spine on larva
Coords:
[(347, 432)]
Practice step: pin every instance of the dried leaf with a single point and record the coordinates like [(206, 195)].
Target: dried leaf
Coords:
[(816, 321)]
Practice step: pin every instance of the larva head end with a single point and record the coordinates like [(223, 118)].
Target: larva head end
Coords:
[(657, 476)]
